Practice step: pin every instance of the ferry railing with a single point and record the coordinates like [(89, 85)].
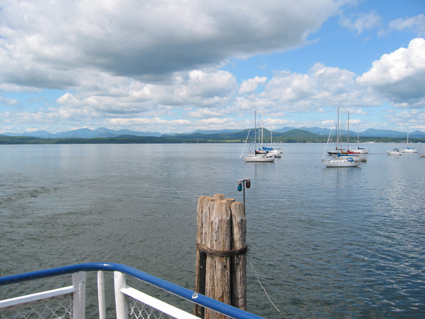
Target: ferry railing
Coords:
[(70, 302)]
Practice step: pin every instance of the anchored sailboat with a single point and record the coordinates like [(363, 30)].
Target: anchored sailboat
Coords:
[(410, 150), (256, 156), (340, 160)]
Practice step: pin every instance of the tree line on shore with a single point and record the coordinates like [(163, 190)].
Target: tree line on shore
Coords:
[(238, 137)]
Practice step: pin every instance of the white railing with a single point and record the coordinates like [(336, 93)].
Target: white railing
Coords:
[(70, 302)]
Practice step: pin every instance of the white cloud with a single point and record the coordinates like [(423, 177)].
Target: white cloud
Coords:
[(206, 113), (408, 120), (115, 96), (322, 86), (362, 21), (137, 63), (414, 24), (53, 44), (250, 85), (399, 76), (8, 102)]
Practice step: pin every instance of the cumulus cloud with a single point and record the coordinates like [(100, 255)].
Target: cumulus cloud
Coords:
[(116, 96), (250, 85), (51, 44), (322, 86), (399, 76), (135, 63), (408, 119)]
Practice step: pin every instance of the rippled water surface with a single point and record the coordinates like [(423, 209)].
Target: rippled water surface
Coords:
[(324, 242)]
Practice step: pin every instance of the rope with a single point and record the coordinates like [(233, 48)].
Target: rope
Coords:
[(258, 279), (222, 253)]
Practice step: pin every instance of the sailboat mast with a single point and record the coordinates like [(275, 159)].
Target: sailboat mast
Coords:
[(262, 128), (358, 135), (337, 132), (348, 133), (255, 125)]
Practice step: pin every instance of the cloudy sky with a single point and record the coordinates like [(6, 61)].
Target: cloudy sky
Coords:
[(178, 66)]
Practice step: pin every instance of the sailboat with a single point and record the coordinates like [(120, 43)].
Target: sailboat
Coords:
[(359, 150), (395, 152), (356, 157), (339, 160), (270, 151), (276, 152), (410, 150), (256, 156)]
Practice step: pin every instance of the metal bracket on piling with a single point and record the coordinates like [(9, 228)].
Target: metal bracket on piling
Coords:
[(241, 186)]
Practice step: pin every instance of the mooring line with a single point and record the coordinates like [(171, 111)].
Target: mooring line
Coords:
[(258, 278)]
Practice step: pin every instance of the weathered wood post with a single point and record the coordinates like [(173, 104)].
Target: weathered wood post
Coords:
[(221, 253)]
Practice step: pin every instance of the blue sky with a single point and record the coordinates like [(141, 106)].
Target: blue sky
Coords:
[(180, 66)]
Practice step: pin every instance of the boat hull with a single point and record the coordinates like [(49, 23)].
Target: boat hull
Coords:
[(393, 153), (341, 163), (409, 151), (259, 159), (359, 151)]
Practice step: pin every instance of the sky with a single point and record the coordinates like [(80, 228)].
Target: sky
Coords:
[(179, 66)]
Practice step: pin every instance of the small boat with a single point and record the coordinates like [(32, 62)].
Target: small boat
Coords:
[(260, 158), (277, 153), (359, 150), (422, 154), (395, 152), (410, 150), (356, 157), (337, 151), (257, 156), (342, 162)]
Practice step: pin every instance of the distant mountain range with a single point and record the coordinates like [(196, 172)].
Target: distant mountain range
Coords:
[(85, 133), (368, 133), (289, 131)]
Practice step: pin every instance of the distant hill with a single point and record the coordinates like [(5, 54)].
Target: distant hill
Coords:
[(302, 132), (389, 133), (315, 130), (85, 133), (368, 132), (214, 131)]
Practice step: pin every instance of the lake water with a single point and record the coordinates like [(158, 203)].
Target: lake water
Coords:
[(324, 242)]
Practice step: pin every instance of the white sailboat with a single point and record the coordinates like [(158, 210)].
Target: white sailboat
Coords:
[(359, 150), (395, 152), (257, 156), (339, 160), (355, 155), (410, 150), (276, 152)]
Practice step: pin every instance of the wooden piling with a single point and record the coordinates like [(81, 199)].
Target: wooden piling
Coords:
[(220, 256)]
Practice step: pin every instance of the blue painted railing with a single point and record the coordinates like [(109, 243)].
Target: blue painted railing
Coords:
[(155, 281)]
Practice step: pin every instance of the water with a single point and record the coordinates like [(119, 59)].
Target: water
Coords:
[(324, 242)]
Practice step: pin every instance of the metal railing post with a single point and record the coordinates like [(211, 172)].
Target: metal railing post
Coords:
[(79, 296), (101, 294), (121, 304)]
